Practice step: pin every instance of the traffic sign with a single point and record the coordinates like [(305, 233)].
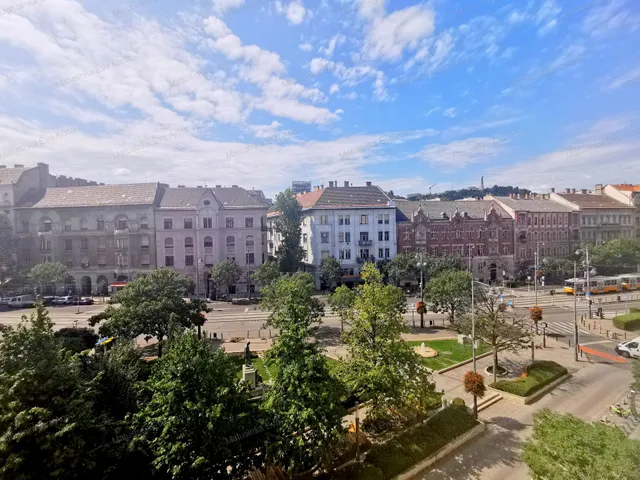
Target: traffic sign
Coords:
[(588, 294)]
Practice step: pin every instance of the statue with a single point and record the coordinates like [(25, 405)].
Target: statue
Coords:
[(247, 355)]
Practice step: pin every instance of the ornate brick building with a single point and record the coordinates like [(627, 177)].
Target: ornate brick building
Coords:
[(480, 232)]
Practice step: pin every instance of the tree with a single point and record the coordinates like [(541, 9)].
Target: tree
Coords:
[(266, 274), (435, 265), (148, 305), (474, 384), (7, 251), (494, 326), (290, 253), (304, 401), (47, 273), (226, 273), (341, 302), (450, 292), (636, 376), (330, 271), (198, 419), (102, 288), (46, 416), (403, 266), (615, 256), (382, 368), (564, 446)]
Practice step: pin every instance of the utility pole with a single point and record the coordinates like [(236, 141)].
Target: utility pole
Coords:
[(586, 250), (421, 288), (575, 308), (535, 272)]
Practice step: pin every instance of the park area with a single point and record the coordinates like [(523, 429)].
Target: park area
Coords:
[(534, 377), (450, 352)]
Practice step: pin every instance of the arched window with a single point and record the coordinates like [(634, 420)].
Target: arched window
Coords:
[(208, 242), (67, 226), (47, 225), (249, 243), (168, 243), (231, 244), (83, 224), (188, 242)]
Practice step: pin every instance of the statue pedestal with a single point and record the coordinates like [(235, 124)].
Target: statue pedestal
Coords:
[(249, 375)]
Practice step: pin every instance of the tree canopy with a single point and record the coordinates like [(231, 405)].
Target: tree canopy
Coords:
[(449, 292), (290, 253), (563, 447), (472, 192), (7, 250), (47, 273), (330, 271), (226, 273), (341, 302), (266, 274), (290, 301), (616, 256)]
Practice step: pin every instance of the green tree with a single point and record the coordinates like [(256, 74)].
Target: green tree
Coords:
[(46, 416), (226, 273), (266, 274), (341, 302), (7, 252), (47, 273), (102, 288), (330, 271), (199, 419), (495, 326), (449, 292), (290, 253), (636, 375), (564, 446), (382, 368), (403, 266), (304, 400), (148, 305), (615, 256)]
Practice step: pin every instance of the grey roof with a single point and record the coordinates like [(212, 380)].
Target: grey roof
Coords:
[(476, 209), (188, 198), (344, 197), (12, 175), (593, 200), (93, 196), (533, 205)]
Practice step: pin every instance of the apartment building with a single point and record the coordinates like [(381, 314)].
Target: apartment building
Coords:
[(541, 226), (197, 228), (601, 218), (629, 195), (479, 231), (353, 224), (103, 233)]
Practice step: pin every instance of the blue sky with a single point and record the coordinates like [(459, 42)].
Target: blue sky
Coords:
[(406, 94)]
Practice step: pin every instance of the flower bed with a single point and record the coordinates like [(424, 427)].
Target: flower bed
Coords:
[(539, 374)]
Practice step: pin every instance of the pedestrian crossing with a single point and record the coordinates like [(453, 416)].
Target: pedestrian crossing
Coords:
[(559, 328)]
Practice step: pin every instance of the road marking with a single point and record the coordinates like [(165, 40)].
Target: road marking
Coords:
[(598, 353)]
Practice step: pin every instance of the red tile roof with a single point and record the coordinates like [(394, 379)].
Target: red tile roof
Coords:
[(628, 188), (309, 199)]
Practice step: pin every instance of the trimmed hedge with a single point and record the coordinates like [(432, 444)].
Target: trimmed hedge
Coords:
[(539, 374), (630, 321), (417, 443)]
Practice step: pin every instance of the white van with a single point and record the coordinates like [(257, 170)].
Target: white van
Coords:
[(28, 300), (630, 348)]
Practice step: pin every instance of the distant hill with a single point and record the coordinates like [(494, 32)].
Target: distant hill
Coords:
[(497, 190)]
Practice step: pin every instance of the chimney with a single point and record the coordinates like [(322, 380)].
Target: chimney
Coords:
[(567, 190), (368, 184), (599, 189), (573, 190), (199, 186), (234, 186), (330, 183), (180, 186), (553, 190), (18, 165), (584, 191), (218, 186), (346, 183)]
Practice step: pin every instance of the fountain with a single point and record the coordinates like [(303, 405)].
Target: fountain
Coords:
[(426, 352)]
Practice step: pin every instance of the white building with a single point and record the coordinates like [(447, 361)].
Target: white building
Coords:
[(197, 228), (351, 224)]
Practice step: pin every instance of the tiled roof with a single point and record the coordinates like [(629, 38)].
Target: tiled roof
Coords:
[(236, 197), (533, 205), (628, 188), (475, 209), (591, 200), (93, 196), (188, 198), (344, 197), (12, 175)]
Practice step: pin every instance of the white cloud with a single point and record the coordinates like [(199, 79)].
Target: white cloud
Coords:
[(305, 47), (548, 11), (265, 131), (460, 153), (295, 12), (610, 18), (335, 88), (546, 28), (449, 112), (433, 110), (220, 7), (516, 17), (351, 96), (121, 172), (335, 41), (389, 36), (351, 76), (630, 78)]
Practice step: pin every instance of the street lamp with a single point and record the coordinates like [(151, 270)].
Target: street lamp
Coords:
[(421, 289), (575, 308), (587, 267), (198, 262), (535, 271)]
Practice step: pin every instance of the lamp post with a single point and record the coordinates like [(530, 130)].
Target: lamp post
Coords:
[(588, 268), (575, 309), (421, 288), (535, 271), (198, 262)]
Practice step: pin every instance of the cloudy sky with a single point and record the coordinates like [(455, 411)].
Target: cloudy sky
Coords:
[(406, 94)]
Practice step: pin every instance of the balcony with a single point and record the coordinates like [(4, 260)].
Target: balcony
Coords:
[(365, 243), (361, 260), (121, 231)]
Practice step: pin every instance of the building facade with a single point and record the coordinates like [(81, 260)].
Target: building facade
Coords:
[(541, 227), (480, 232), (351, 224), (601, 218), (197, 228), (629, 195)]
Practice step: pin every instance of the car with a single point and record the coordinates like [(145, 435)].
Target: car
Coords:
[(86, 301), (66, 300), (630, 348)]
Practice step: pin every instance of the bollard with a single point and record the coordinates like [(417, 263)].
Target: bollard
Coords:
[(625, 335), (589, 326), (581, 353), (259, 336), (569, 343), (607, 333), (269, 333), (413, 321), (615, 336), (247, 333), (221, 336)]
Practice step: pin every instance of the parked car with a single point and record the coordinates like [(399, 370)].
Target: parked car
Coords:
[(27, 300), (86, 301), (4, 300), (630, 348), (66, 300)]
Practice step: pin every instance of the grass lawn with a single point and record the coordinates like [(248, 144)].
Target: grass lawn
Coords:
[(450, 352)]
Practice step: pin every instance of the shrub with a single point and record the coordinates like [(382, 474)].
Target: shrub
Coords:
[(631, 321), (458, 401), (634, 310), (76, 339), (417, 443), (358, 471), (538, 375), (474, 384)]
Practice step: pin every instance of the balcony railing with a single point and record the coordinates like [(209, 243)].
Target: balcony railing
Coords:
[(365, 243)]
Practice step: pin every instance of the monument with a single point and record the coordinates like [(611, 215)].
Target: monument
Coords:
[(248, 372)]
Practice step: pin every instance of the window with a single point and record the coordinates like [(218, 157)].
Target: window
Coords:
[(67, 226), (380, 220), (144, 223), (47, 225), (341, 237), (188, 260), (458, 250), (541, 221), (380, 236), (250, 258), (229, 222), (208, 242), (535, 221), (207, 222), (168, 261), (324, 219), (231, 244), (481, 250), (347, 220), (84, 243), (144, 241), (364, 220), (458, 233), (248, 222), (102, 260), (480, 233), (387, 252), (340, 219), (304, 238), (347, 237), (249, 243), (188, 223), (364, 236), (25, 226), (122, 224), (407, 235), (380, 252), (100, 225), (434, 251), (324, 237), (122, 260), (68, 244), (445, 250), (207, 202), (168, 243), (102, 242), (505, 249), (383, 219), (324, 254)]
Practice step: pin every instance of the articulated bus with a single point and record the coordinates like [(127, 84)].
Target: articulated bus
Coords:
[(597, 285)]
